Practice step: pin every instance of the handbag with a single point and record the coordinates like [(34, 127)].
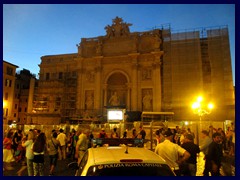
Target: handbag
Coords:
[(17, 153)]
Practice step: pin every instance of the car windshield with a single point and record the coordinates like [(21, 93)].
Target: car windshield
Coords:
[(130, 169)]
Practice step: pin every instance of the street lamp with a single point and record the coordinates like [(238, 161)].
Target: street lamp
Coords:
[(4, 103), (201, 109)]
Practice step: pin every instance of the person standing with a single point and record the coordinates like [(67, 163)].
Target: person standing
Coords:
[(125, 133), (38, 148), (229, 136), (190, 132), (170, 152), (82, 145), (52, 146), (73, 140), (62, 138), (102, 134), (134, 133), (204, 144), (193, 149), (159, 136), (17, 137), (142, 133), (114, 134), (7, 151), (215, 155), (29, 154)]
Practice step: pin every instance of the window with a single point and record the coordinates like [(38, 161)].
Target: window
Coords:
[(60, 76), (47, 76), (8, 83), (16, 106), (5, 112), (130, 169), (6, 96), (74, 74), (9, 71)]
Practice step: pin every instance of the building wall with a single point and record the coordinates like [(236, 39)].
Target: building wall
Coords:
[(9, 71), (183, 61), (148, 71), (222, 82)]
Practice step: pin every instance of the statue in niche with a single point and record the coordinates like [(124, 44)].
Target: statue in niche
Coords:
[(114, 100), (147, 101), (89, 101)]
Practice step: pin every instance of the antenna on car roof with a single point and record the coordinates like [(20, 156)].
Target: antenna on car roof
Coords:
[(126, 152)]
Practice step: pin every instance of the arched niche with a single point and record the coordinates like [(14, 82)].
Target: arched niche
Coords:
[(117, 89)]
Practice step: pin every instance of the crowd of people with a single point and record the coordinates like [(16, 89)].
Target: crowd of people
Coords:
[(30, 148), (176, 146)]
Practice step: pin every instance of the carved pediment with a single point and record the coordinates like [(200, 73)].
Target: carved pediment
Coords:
[(118, 28)]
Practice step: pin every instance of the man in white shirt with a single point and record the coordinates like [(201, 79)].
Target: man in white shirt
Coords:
[(62, 138), (170, 152)]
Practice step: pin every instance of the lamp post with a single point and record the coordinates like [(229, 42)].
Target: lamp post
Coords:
[(201, 109)]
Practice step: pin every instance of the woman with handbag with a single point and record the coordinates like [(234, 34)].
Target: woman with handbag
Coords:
[(52, 146), (39, 146)]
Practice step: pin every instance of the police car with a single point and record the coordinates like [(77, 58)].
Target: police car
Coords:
[(126, 159)]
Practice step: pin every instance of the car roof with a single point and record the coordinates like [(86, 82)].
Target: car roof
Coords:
[(115, 154)]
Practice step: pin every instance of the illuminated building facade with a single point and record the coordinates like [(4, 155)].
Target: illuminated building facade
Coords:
[(9, 71), (156, 70)]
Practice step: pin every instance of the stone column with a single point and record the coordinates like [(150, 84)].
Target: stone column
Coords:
[(134, 96), (105, 95), (98, 84), (80, 95), (157, 90), (128, 103)]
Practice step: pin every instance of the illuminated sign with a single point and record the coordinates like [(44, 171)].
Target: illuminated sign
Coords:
[(114, 114)]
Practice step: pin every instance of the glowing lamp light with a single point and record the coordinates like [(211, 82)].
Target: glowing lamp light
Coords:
[(4, 104), (195, 105), (210, 106), (200, 98)]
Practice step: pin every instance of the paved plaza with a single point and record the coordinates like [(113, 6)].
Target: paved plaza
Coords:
[(63, 170)]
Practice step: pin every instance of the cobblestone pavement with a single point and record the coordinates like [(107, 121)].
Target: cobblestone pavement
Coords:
[(61, 169)]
